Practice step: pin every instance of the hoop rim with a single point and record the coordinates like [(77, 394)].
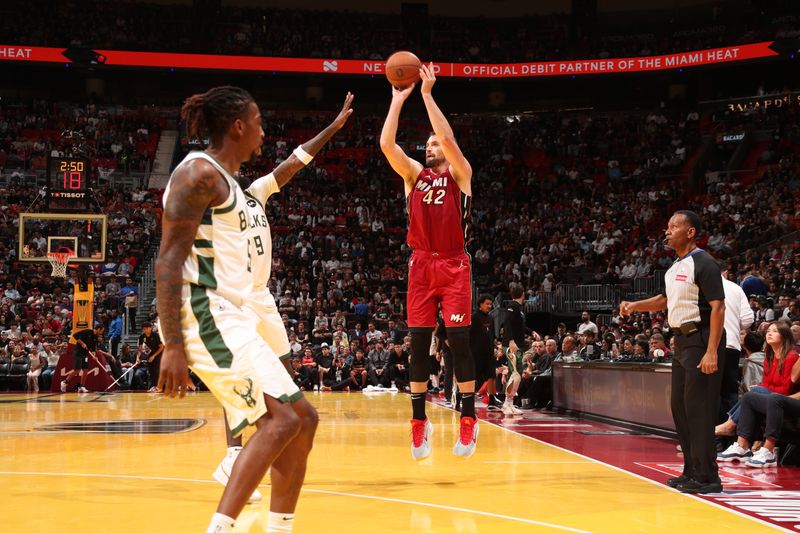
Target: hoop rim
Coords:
[(60, 256)]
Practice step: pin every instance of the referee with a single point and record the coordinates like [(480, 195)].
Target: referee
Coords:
[(695, 300)]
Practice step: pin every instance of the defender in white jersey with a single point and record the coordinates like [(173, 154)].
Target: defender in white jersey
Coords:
[(260, 301), (202, 275)]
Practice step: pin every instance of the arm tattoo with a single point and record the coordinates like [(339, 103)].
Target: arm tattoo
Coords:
[(192, 190)]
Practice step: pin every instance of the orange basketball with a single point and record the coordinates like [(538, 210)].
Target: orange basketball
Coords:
[(402, 69)]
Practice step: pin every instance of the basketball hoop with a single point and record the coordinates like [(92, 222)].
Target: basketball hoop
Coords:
[(59, 261)]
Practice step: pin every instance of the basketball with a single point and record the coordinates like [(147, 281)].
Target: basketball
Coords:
[(402, 69)]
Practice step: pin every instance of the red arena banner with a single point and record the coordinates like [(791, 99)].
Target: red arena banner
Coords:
[(714, 56), (620, 65), (32, 53)]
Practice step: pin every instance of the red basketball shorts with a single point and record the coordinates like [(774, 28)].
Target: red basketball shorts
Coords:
[(439, 278)]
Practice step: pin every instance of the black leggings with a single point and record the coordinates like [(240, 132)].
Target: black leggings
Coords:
[(772, 407)]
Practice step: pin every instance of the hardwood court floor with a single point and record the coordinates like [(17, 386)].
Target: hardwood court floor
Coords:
[(361, 476)]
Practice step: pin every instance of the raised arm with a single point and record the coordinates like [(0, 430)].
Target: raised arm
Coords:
[(460, 167), (407, 168), (193, 188), (292, 165)]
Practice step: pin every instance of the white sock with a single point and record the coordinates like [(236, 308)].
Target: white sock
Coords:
[(220, 523), (233, 451), (280, 523)]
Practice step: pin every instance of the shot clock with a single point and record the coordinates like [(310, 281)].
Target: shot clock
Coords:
[(68, 180)]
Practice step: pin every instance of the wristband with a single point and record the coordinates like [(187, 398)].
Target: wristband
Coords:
[(302, 155)]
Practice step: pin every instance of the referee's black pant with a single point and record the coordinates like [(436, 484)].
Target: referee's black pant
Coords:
[(695, 404)]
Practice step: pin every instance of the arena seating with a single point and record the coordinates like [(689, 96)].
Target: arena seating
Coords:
[(554, 204), (296, 33)]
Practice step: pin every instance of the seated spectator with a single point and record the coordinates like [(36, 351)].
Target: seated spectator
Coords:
[(781, 373), (339, 378), (325, 361), (756, 408), (302, 333), (322, 335), (339, 320), (308, 375), (398, 367), (753, 369), (591, 349), (373, 334), (287, 304), (321, 320), (569, 352), (657, 343), (378, 372), (108, 269), (37, 363), (359, 369)]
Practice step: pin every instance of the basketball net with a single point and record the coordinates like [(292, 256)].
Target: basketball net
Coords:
[(59, 261)]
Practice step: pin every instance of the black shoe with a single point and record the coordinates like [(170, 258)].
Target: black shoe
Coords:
[(675, 481), (696, 487)]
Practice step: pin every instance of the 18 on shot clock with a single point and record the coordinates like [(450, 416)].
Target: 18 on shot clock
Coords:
[(68, 184)]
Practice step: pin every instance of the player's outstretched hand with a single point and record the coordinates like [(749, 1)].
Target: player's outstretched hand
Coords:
[(625, 308), (428, 78), (346, 111), (174, 376), (402, 94)]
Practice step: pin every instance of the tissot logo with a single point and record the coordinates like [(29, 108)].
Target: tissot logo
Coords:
[(456, 318), (330, 66)]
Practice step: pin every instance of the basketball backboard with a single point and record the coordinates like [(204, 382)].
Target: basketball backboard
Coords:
[(84, 234)]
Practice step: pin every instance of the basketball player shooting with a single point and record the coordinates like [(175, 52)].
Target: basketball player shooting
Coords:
[(438, 197)]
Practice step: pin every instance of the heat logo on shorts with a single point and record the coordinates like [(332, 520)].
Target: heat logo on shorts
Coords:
[(456, 318)]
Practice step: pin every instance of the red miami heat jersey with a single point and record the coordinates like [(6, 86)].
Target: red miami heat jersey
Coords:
[(438, 213)]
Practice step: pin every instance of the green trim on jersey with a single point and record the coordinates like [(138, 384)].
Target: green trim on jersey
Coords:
[(235, 432), (255, 200), (203, 243), (285, 356), (206, 217), (205, 272), (209, 333), (229, 208), (284, 398)]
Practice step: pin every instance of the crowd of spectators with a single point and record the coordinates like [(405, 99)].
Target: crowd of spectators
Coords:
[(568, 197), (36, 308), (562, 209), (345, 34), (111, 137), (562, 203)]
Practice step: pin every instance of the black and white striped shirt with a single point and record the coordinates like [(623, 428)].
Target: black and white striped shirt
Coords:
[(689, 285)]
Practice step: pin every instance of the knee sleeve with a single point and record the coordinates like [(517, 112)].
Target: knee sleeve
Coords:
[(463, 363), (420, 358)]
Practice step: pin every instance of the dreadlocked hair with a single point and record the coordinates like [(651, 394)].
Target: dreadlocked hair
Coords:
[(211, 113)]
